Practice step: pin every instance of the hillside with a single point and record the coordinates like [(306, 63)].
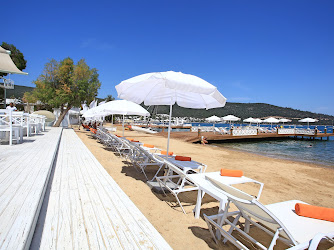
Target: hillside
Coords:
[(242, 110), (245, 110)]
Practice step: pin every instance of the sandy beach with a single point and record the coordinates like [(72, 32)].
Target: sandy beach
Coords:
[(283, 180)]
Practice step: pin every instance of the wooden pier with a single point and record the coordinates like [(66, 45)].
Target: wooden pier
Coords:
[(211, 137)]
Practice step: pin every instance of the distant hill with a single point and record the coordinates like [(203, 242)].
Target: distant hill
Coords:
[(242, 110), (17, 92), (245, 110)]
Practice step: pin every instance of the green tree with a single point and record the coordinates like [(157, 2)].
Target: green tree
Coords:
[(16, 55), (109, 98), (65, 85)]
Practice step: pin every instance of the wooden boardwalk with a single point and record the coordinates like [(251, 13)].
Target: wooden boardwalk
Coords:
[(84, 207), (24, 172)]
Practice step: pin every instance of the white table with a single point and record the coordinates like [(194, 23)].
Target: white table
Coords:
[(206, 186)]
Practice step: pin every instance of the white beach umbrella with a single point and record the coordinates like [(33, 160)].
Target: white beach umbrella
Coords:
[(258, 120), (250, 120), (284, 120), (308, 120), (121, 107), (230, 118), (271, 120), (168, 88), (213, 118)]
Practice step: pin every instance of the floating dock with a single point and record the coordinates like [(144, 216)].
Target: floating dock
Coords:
[(215, 137)]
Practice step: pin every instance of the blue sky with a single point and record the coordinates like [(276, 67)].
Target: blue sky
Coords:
[(276, 52)]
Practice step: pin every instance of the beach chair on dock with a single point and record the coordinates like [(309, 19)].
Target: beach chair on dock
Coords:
[(278, 220)]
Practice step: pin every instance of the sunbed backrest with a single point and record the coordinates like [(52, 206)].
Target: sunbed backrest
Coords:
[(252, 208)]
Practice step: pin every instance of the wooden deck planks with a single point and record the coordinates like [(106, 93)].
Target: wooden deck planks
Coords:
[(24, 173), (93, 212)]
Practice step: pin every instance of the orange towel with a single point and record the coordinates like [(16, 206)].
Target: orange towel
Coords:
[(129, 139), (165, 152), (182, 158), (148, 145), (118, 136), (320, 213), (231, 173), (134, 141)]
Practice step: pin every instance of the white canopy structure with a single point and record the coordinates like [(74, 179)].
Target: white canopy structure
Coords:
[(168, 88), (213, 118), (308, 120), (7, 65)]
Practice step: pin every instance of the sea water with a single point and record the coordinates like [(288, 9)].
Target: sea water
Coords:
[(316, 151)]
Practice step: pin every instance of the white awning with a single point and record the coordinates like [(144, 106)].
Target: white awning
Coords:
[(7, 65)]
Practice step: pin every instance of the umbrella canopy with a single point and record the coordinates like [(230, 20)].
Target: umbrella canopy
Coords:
[(168, 88), (231, 118), (308, 120), (284, 120), (119, 107), (258, 120), (250, 120), (7, 65), (213, 118), (271, 120)]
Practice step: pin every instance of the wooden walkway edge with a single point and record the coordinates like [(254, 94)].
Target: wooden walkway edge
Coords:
[(84, 208), (24, 173)]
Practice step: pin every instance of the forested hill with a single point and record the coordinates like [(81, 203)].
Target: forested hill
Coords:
[(245, 110)]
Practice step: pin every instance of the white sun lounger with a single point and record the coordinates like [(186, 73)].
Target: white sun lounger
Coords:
[(279, 220)]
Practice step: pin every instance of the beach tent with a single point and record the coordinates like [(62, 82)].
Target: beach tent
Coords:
[(271, 120), (308, 120), (168, 88)]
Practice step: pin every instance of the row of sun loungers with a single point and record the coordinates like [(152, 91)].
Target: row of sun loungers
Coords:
[(280, 220)]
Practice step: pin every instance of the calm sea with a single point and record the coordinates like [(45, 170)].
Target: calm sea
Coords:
[(312, 151)]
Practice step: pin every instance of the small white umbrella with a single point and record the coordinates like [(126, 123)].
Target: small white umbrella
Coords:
[(250, 120), (231, 118), (271, 120), (168, 88), (119, 107), (213, 118), (258, 120), (284, 120), (308, 120)]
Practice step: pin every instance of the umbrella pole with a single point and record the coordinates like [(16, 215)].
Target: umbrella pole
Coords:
[(169, 126), (123, 125)]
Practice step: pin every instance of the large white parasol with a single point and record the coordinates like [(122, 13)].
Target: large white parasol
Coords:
[(168, 88), (308, 120), (250, 120)]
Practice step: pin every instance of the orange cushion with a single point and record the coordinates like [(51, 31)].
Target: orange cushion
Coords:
[(165, 153), (129, 139), (148, 145), (118, 136), (134, 141), (231, 173), (321, 213), (182, 158)]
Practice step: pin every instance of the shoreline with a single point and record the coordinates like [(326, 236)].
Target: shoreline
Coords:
[(321, 164)]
